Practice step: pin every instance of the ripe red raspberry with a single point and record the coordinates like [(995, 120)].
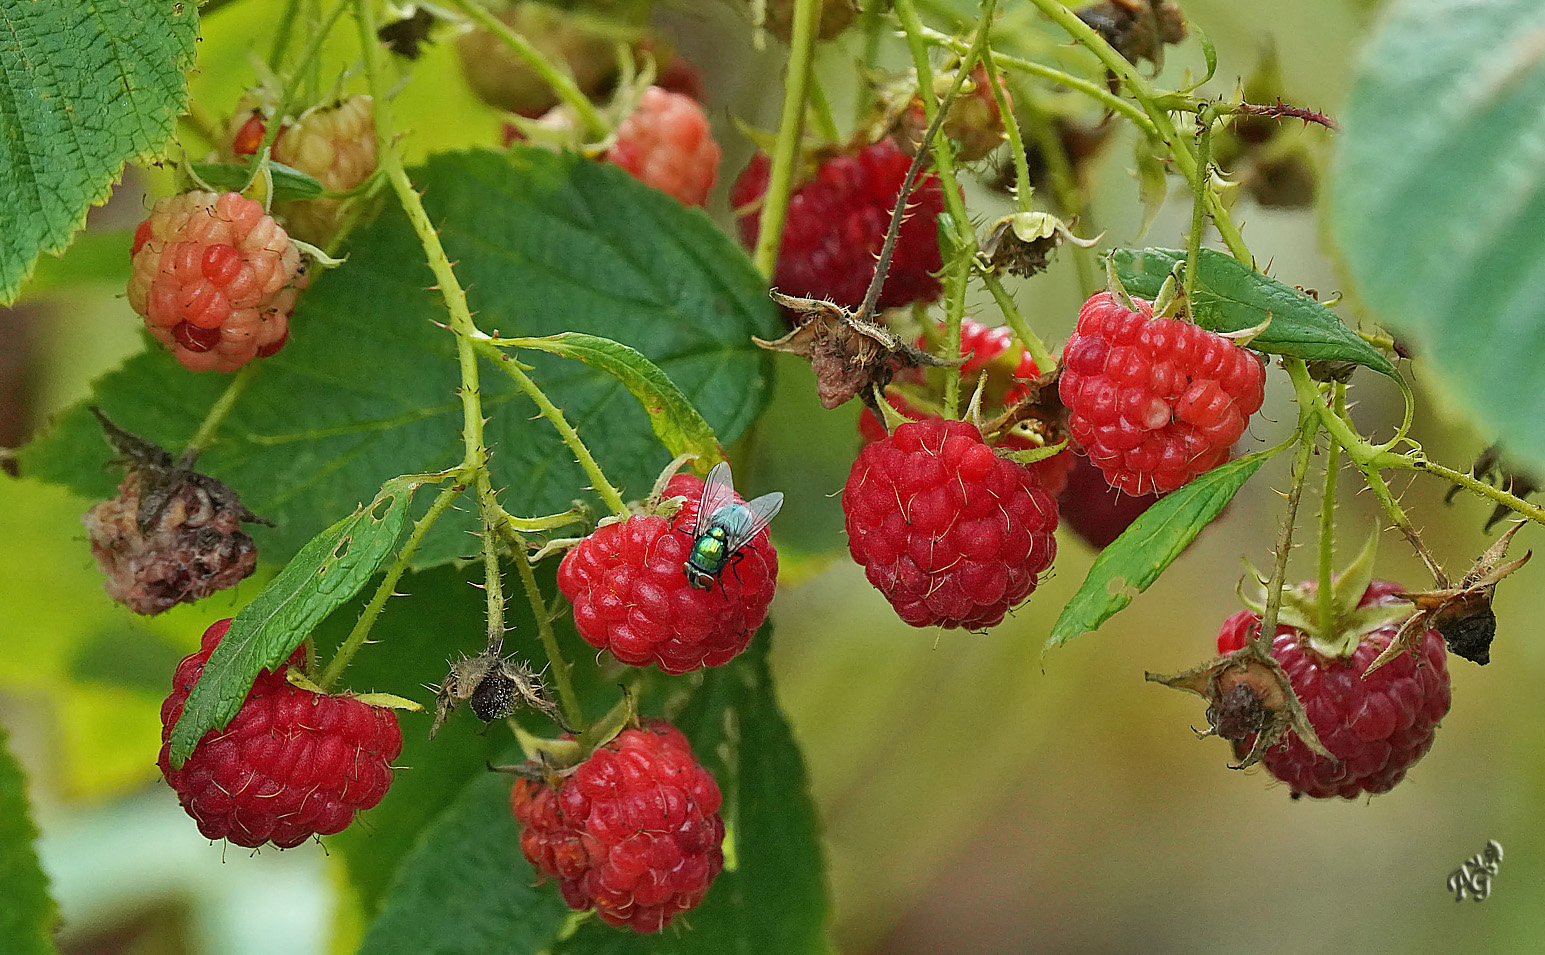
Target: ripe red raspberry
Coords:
[(634, 832), (1155, 401), (949, 532), (1093, 509), (215, 279), (291, 765), (1377, 727), (1008, 366), (335, 145), (836, 225), (666, 143), (631, 594)]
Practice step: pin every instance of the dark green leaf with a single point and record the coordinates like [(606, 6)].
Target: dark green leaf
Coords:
[(775, 902), (85, 86), (233, 177), (675, 422), (323, 576), (1231, 297), (465, 889), (1133, 561), (439, 617), (1437, 201), (367, 386), (28, 916)]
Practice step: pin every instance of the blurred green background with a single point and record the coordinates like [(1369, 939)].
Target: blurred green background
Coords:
[(977, 796)]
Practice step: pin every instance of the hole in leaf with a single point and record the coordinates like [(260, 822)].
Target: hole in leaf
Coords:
[(381, 508), (1118, 587), (341, 550)]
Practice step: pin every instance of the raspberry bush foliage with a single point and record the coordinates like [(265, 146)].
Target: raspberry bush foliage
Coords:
[(474, 376)]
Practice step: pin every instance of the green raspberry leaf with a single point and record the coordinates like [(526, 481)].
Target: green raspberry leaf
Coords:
[(85, 86), (1437, 200), (1133, 561), (289, 183), (465, 887), (366, 388), (28, 915), (1232, 297), (326, 574), (675, 422)]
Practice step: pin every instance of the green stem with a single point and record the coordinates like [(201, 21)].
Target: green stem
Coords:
[(944, 167), (493, 580), (1202, 189), (954, 312), (1308, 430), (1067, 80), (1327, 600), (562, 83), (1158, 113), (821, 112), (282, 34), (791, 130), (1023, 189), (221, 409), (1397, 515), (390, 162), (551, 412), (1419, 462), (1044, 361), (387, 588), (1065, 186), (560, 666)]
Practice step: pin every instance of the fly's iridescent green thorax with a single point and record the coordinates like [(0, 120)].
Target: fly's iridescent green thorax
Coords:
[(724, 525)]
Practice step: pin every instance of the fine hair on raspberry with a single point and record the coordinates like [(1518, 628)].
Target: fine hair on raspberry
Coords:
[(292, 764), (633, 832), (1155, 402), (950, 533), (632, 597)]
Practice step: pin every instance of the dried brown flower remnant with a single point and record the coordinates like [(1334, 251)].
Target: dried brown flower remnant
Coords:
[(849, 356), (172, 535)]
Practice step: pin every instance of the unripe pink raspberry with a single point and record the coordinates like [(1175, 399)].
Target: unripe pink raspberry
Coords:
[(336, 146), (215, 279), (666, 143)]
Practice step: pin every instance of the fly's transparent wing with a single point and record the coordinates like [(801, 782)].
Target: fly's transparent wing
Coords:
[(751, 518), (718, 492)]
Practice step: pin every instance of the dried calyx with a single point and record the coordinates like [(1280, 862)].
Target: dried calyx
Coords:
[(493, 687), (850, 356), (1460, 611)]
